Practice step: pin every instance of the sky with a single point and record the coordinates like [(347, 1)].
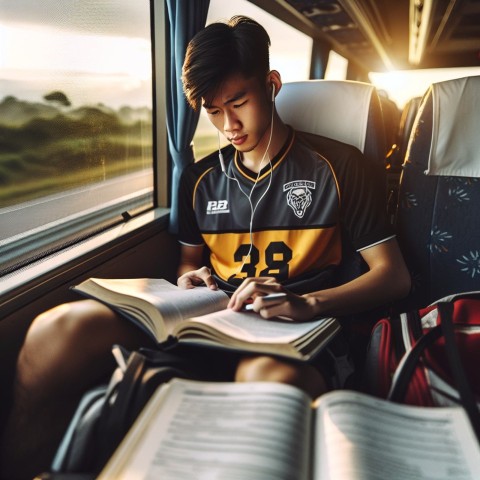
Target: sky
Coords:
[(107, 39)]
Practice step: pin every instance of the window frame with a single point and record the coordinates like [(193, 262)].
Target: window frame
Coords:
[(31, 281)]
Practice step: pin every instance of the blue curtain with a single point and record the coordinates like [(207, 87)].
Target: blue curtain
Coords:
[(184, 19)]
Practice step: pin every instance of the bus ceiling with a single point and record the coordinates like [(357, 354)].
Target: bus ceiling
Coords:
[(383, 35)]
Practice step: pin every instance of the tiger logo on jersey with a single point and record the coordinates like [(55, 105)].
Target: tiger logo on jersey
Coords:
[(299, 195)]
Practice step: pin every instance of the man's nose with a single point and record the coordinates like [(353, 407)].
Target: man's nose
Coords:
[(230, 122)]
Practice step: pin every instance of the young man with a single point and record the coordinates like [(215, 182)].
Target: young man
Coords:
[(271, 219), (273, 211)]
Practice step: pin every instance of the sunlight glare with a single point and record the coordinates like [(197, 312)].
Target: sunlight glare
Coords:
[(45, 48), (402, 85)]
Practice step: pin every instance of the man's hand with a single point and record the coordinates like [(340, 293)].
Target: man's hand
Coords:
[(295, 307), (194, 278)]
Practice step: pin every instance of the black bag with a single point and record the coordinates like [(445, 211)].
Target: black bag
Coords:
[(106, 413)]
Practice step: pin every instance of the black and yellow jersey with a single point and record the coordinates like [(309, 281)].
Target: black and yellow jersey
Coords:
[(288, 222)]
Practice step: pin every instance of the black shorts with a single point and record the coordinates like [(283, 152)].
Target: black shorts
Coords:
[(220, 365)]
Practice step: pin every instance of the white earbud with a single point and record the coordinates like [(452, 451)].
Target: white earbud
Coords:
[(220, 154), (273, 92), (222, 163)]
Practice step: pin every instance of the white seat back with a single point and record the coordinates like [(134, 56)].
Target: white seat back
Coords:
[(346, 111)]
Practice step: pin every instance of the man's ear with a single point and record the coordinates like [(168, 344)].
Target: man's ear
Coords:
[(274, 84)]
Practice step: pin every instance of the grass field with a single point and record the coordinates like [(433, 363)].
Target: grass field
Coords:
[(45, 156)]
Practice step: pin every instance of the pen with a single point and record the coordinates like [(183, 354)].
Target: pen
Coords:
[(266, 298)]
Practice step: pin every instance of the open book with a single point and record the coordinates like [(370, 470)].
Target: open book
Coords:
[(272, 431), (199, 316)]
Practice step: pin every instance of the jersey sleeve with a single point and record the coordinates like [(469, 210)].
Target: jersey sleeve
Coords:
[(362, 191), (363, 201), (188, 231)]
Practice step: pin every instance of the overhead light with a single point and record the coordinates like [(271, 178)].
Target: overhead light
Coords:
[(420, 23)]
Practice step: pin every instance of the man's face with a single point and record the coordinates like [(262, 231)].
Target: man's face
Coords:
[(242, 112)]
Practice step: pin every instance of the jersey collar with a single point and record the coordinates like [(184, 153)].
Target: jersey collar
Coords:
[(246, 172)]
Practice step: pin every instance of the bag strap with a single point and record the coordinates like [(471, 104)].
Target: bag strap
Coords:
[(123, 394), (114, 417), (445, 310), (408, 364), (415, 324), (410, 361), (397, 336)]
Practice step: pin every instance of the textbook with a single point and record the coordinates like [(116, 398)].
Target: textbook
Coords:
[(258, 431), (199, 316)]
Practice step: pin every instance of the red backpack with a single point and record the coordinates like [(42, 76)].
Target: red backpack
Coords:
[(417, 338)]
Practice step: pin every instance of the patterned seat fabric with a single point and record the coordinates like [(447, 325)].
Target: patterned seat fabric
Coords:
[(438, 215)]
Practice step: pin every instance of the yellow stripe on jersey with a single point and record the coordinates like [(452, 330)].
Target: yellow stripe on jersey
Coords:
[(276, 163), (196, 185), (334, 176), (278, 253)]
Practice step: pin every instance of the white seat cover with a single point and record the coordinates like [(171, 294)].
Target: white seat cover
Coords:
[(331, 108), (455, 148)]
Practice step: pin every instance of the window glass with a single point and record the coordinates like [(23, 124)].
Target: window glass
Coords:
[(290, 54), (75, 121), (336, 67)]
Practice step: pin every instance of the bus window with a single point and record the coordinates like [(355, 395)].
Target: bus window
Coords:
[(75, 122), (336, 67), (290, 54)]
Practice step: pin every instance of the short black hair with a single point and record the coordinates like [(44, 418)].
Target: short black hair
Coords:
[(239, 46)]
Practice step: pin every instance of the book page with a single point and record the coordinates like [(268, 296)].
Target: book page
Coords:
[(193, 430), (175, 304), (362, 437), (255, 329)]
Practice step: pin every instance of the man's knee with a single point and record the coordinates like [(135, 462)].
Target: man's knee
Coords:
[(68, 340), (69, 320), (264, 368), (270, 369)]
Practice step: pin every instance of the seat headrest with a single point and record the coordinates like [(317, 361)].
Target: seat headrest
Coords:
[(337, 109), (455, 139)]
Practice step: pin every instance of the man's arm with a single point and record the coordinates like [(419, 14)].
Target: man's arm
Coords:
[(191, 271), (387, 279)]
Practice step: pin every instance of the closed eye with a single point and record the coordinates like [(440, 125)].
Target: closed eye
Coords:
[(240, 104)]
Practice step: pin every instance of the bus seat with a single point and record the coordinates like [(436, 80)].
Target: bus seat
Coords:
[(391, 119), (396, 156), (437, 215), (344, 110), (407, 118)]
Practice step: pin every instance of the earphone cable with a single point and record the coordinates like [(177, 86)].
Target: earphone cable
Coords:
[(249, 195)]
